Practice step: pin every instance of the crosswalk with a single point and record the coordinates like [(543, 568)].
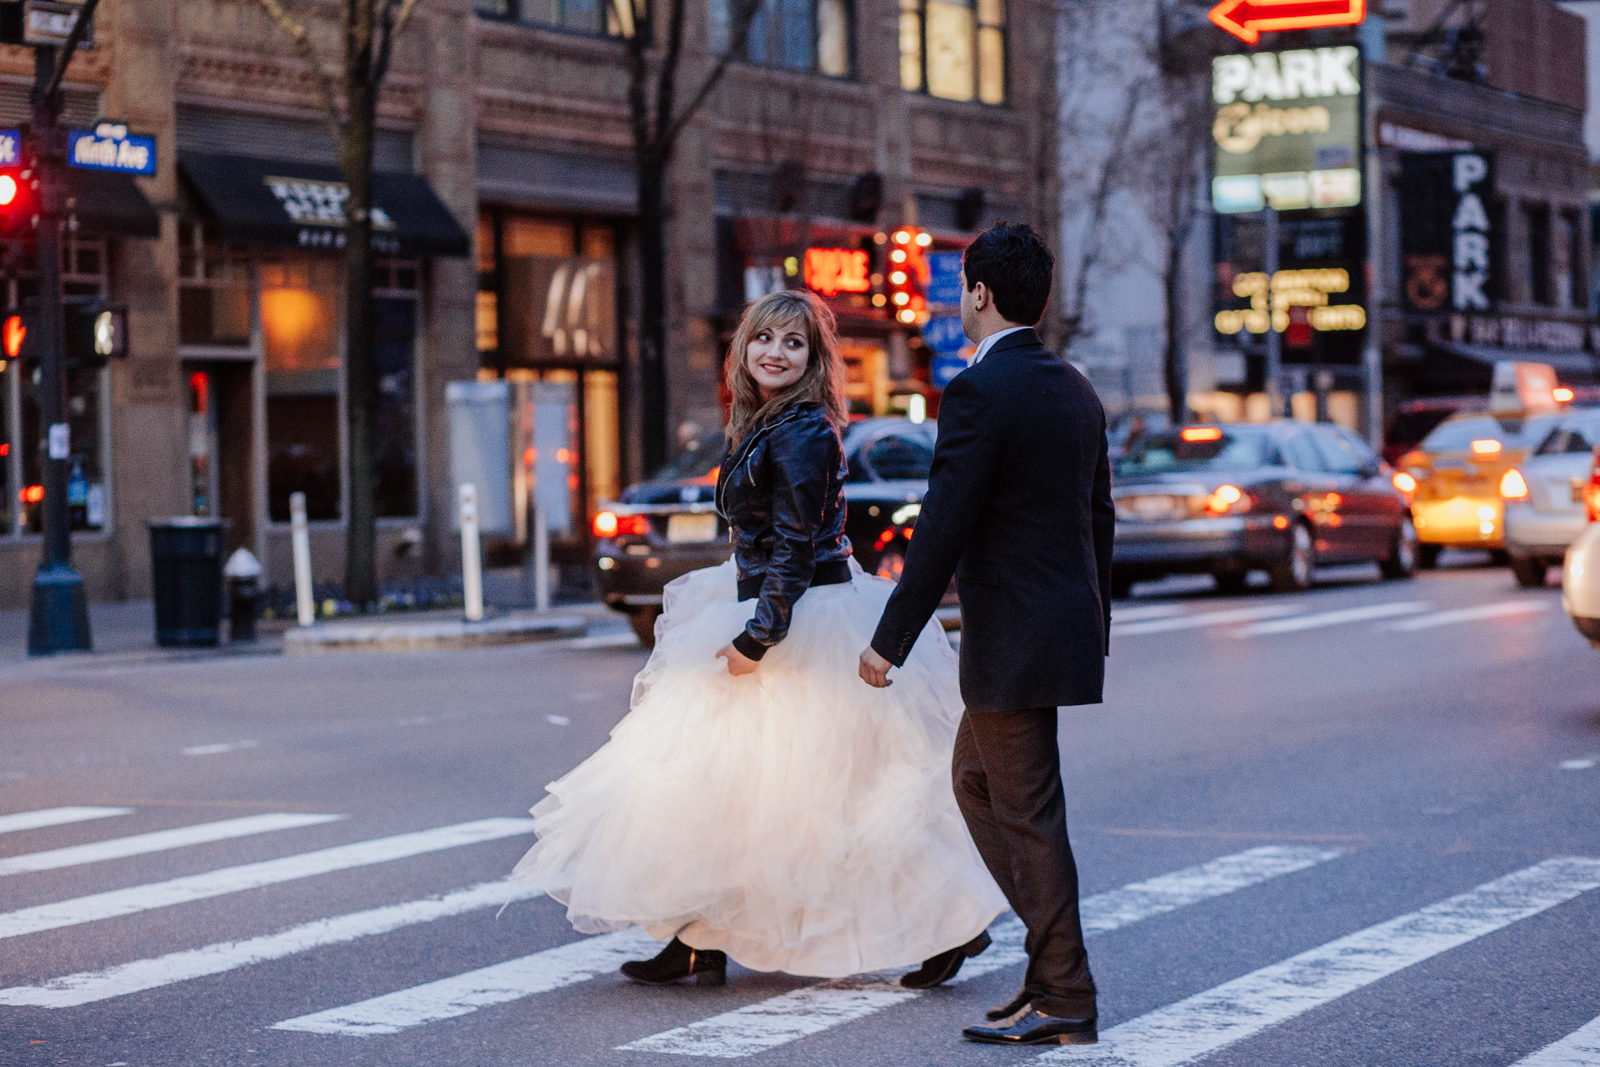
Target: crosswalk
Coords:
[(1186, 1031), (1294, 615)]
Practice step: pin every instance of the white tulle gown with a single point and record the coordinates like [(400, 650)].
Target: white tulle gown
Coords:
[(795, 818)]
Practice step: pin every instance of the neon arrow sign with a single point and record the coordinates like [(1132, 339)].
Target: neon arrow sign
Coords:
[(1248, 19)]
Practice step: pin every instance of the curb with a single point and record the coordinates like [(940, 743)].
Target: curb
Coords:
[(515, 628)]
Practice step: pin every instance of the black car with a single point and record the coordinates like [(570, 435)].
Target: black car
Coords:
[(1282, 496), (668, 526)]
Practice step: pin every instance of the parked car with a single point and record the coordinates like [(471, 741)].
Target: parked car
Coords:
[(1414, 420), (1544, 497), (1284, 496), (667, 526), (1453, 479), (1580, 571)]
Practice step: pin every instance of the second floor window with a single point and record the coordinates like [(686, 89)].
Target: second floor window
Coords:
[(613, 18), (809, 35), (951, 49)]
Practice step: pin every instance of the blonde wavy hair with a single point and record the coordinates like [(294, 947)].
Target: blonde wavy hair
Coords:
[(824, 377)]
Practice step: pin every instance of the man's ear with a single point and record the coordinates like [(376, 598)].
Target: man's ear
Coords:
[(981, 296)]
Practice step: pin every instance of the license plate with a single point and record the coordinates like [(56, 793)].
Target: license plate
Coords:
[(692, 529)]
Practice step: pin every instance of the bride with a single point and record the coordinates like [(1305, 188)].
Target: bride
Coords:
[(758, 801)]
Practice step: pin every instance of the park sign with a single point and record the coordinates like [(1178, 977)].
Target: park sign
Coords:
[(109, 146)]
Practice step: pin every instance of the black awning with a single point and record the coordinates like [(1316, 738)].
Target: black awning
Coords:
[(288, 204), (110, 205)]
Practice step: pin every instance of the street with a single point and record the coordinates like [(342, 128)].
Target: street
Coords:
[(1354, 826)]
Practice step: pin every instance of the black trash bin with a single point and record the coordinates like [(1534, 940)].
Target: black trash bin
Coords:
[(186, 570)]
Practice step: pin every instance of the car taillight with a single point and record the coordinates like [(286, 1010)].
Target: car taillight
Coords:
[(611, 524), (1226, 499), (1513, 486), (1591, 492)]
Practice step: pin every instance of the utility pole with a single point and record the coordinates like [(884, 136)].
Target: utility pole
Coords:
[(1275, 400), (59, 619)]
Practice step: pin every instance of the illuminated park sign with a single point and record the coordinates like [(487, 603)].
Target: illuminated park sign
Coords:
[(1249, 19), (1285, 130)]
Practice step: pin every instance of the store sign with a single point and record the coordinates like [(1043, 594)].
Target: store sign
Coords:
[(1320, 285), (318, 207), (1272, 304), (1249, 19), (944, 279), (1513, 331), (558, 309), (1286, 130), (109, 146), (1446, 238), (831, 271)]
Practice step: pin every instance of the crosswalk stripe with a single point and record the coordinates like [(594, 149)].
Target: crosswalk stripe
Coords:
[(33, 820), (254, 875), (1477, 614), (159, 841), (791, 1016), (87, 987), (1581, 1048), (1206, 618), (1332, 618), (463, 994), (1145, 611), (1200, 1025)]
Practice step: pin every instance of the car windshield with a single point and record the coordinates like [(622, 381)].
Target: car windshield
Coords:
[(1457, 435), (694, 463), (1231, 450)]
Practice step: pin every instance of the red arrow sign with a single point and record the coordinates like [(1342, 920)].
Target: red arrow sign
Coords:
[(1248, 19)]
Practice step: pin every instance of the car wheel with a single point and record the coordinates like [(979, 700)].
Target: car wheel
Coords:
[(1499, 557), (643, 622), (1293, 573), (1529, 571), (1427, 557), (890, 564), (1402, 561), (1232, 583)]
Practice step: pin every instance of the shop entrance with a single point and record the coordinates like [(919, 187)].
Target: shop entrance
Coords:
[(221, 433)]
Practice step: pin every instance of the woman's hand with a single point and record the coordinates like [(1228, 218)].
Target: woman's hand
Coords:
[(738, 663)]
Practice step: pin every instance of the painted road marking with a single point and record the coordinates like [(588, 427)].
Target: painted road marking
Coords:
[(791, 1016), (214, 750), (254, 875), (1333, 618), (1477, 614), (1206, 618), (88, 987), (463, 994), (33, 820), (1236, 1010), (159, 841), (1577, 764), (1151, 611), (1581, 1048)]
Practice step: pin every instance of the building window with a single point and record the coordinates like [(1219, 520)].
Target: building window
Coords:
[(1536, 218), (300, 341), (1571, 291), (213, 293), (612, 18), (953, 50), (811, 35)]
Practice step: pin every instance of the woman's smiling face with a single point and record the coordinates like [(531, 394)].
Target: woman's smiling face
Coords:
[(777, 356)]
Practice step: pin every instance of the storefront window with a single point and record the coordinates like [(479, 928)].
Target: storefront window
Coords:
[(601, 434), (952, 50), (300, 341), (798, 34), (213, 293)]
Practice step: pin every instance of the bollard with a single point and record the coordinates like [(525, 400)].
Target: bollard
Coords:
[(541, 561), (471, 564), (301, 540)]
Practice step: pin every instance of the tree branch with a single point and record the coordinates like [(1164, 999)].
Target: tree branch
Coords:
[(308, 54), (393, 24), (745, 17)]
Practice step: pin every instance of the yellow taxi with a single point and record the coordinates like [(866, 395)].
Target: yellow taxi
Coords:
[(1452, 479)]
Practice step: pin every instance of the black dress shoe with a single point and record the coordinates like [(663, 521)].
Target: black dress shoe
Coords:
[(1011, 1010), (678, 961), (1037, 1028), (939, 969)]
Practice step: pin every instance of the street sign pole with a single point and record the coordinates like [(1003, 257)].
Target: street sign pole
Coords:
[(1275, 398)]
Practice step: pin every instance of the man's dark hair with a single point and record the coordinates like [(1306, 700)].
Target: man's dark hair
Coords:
[(1016, 264)]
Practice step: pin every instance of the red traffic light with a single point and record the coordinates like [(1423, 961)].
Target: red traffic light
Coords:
[(8, 190)]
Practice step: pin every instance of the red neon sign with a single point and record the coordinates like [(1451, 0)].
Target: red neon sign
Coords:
[(1248, 19), (831, 271)]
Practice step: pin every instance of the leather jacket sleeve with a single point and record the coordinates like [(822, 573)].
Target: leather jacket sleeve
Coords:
[(802, 459)]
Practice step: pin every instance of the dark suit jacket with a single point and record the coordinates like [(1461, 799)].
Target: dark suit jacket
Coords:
[(1019, 510)]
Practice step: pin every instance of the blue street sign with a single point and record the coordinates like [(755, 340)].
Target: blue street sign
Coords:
[(947, 367), (10, 147), (109, 146), (944, 334), (944, 279)]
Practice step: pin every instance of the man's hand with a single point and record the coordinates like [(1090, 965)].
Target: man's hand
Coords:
[(738, 663), (875, 669)]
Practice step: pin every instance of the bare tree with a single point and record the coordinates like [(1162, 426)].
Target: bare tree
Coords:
[(367, 32)]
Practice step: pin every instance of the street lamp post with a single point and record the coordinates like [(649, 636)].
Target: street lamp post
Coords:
[(1274, 376)]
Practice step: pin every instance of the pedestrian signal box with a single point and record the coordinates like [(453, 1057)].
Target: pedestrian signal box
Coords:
[(93, 332)]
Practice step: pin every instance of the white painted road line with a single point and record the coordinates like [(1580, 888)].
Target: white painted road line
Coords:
[(159, 841), (254, 875), (1145, 611), (1190, 1029), (1477, 614), (791, 1016), (215, 750), (463, 994), (33, 820), (1206, 618), (1332, 618), (87, 987), (1581, 1048)]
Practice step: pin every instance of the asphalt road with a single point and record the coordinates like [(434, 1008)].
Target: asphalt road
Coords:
[(1359, 827)]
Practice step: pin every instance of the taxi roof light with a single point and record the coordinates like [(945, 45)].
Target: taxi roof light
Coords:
[(1562, 395), (1201, 433), (1486, 446)]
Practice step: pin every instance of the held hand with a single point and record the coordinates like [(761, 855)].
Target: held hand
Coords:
[(875, 669), (738, 663)]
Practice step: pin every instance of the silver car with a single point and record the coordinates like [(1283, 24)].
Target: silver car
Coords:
[(1544, 510)]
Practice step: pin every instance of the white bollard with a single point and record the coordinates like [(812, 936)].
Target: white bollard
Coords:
[(471, 563), (300, 538), (541, 561)]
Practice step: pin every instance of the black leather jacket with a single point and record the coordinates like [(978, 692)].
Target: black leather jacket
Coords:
[(782, 492)]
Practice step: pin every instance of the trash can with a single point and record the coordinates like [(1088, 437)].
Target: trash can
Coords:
[(186, 571)]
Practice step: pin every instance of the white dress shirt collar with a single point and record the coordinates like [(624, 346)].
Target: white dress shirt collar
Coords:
[(989, 342)]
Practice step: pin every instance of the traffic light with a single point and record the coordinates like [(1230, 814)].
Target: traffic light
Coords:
[(908, 274), (16, 201), (93, 332)]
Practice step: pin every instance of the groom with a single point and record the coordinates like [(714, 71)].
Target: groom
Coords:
[(1019, 511)]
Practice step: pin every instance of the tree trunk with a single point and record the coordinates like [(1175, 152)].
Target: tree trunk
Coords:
[(360, 361), (652, 308), (1174, 364)]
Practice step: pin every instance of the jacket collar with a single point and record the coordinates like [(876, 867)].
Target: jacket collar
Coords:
[(1020, 338)]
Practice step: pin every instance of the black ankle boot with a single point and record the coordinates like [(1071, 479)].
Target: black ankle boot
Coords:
[(678, 961)]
